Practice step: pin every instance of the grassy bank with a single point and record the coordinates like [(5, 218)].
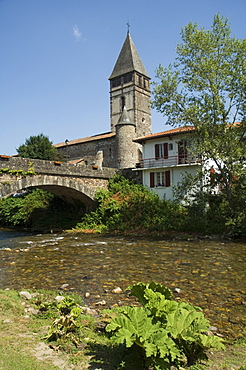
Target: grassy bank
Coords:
[(27, 342)]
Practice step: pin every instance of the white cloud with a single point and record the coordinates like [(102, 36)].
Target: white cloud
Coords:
[(76, 32)]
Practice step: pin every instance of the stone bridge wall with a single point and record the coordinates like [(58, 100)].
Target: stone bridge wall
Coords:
[(36, 180), (70, 182), (73, 183), (55, 168), (70, 189)]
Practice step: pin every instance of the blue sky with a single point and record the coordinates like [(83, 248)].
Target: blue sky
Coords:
[(57, 55)]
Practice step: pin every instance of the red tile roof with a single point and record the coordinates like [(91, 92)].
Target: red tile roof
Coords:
[(86, 139), (76, 161), (107, 135), (174, 131)]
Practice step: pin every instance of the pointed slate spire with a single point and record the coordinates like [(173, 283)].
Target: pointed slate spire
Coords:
[(125, 119), (128, 60)]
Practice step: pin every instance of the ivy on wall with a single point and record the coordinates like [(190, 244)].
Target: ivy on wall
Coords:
[(20, 172)]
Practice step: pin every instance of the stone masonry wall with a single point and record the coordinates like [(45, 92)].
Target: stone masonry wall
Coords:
[(88, 150), (54, 168)]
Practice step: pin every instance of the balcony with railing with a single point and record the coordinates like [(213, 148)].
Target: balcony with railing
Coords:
[(170, 161)]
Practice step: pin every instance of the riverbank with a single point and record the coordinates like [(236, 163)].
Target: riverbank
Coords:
[(22, 342), (137, 232), (124, 208), (206, 273), (163, 235)]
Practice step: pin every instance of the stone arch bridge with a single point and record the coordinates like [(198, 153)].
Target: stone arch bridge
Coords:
[(73, 183)]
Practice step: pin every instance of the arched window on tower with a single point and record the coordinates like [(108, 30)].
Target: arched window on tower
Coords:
[(123, 102)]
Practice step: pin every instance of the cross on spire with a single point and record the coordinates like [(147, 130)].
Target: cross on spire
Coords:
[(128, 26)]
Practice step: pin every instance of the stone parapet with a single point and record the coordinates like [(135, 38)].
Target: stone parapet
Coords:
[(55, 168)]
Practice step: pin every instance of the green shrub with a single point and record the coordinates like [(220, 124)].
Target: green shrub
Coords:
[(126, 206)]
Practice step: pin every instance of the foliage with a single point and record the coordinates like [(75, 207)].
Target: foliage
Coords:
[(20, 172), (40, 210), (206, 88), (203, 87), (167, 332), (207, 212), (10, 211), (18, 211), (131, 208), (38, 147), (65, 327), (128, 206), (20, 340)]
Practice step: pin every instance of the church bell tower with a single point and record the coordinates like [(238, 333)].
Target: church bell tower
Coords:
[(130, 89)]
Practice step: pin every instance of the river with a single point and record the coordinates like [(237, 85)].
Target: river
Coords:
[(207, 273)]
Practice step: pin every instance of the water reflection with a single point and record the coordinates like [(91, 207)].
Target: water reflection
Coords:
[(210, 274)]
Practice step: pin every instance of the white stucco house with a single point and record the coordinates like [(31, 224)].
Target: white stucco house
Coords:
[(165, 156)]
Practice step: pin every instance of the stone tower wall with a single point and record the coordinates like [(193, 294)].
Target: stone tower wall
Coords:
[(115, 103), (137, 103), (127, 150), (142, 112)]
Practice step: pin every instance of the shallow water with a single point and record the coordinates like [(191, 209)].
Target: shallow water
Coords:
[(209, 274)]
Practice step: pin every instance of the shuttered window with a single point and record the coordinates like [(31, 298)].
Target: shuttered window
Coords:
[(167, 178), (157, 151), (162, 179), (161, 151), (152, 179), (165, 150)]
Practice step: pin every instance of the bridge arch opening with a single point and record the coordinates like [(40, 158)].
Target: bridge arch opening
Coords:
[(68, 190), (69, 195)]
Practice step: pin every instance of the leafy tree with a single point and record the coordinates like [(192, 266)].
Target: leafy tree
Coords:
[(38, 147), (206, 88)]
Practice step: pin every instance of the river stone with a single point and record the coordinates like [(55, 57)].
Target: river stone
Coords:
[(59, 298), (177, 290), (25, 295), (89, 311), (117, 290), (31, 310), (64, 286), (101, 303), (213, 328)]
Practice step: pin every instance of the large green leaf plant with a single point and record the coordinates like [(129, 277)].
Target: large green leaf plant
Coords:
[(168, 333)]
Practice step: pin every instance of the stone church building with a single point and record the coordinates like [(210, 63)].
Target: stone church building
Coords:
[(130, 117)]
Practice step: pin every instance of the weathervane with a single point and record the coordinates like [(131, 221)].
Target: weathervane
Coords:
[(128, 26)]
